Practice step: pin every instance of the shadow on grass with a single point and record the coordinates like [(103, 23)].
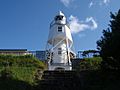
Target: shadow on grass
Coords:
[(12, 84), (7, 82)]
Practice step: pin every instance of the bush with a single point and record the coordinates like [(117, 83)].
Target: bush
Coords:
[(90, 63)]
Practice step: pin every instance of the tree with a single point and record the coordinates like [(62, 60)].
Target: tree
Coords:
[(109, 44), (90, 53)]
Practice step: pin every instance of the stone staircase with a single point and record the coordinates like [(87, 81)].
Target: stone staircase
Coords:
[(59, 80)]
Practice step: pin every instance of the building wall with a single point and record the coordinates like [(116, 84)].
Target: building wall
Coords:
[(41, 55), (14, 52)]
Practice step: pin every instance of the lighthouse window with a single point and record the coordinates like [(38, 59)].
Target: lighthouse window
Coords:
[(59, 51), (59, 29), (58, 18)]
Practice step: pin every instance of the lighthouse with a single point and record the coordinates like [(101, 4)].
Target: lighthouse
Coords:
[(59, 44)]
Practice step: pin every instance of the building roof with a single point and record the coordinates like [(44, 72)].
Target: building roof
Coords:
[(13, 49)]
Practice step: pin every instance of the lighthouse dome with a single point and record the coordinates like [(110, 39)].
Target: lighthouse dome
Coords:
[(60, 18)]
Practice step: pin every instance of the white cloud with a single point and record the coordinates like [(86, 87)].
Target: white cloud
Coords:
[(94, 24), (77, 26), (98, 2), (66, 2), (90, 4), (106, 1), (102, 2)]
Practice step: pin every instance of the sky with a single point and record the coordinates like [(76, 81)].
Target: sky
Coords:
[(24, 24)]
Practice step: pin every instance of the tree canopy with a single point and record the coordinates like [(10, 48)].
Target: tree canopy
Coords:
[(109, 44)]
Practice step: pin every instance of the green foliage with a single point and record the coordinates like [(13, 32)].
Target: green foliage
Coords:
[(94, 62), (90, 63), (21, 68), (6, 74), (109, 44), (24, 73), (26, 60), (8, 82), (16, 78)]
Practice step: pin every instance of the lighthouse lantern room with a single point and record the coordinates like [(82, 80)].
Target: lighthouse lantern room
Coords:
[(59, 44)]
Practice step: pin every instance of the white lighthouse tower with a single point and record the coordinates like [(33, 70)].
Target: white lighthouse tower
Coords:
[(59, 44)]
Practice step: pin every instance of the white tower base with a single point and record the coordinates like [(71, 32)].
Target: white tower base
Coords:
[(59, 67)]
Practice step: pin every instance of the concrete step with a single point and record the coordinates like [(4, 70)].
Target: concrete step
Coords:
[(59, 80)]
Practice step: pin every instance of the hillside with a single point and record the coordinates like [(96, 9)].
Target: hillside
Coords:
[(25, 72), (19, 72)]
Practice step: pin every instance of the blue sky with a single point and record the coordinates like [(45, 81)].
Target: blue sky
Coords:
[(25, 23)]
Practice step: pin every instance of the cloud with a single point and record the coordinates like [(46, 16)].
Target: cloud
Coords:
[(106, 1), (90, 4), (77, 26), (98, 2), (66, 2), (102, 2), (94, 24)]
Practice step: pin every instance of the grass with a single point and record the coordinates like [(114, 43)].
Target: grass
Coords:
[(24, 73), (23, 68)]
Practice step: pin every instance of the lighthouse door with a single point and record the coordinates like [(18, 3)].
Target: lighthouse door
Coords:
[(60, 68)]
